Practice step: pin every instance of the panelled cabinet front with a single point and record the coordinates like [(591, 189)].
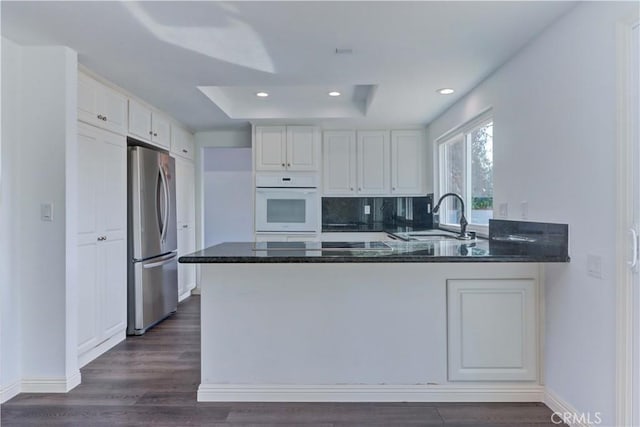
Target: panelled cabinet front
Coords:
[(292, 148), (492, 330), (186, 217), (102, 224)]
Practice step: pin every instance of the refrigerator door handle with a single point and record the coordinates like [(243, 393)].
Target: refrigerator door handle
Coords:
[(165, 260), (160, 193), (165, 219)]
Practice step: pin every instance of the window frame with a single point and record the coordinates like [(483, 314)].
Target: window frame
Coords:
[(456, 134)]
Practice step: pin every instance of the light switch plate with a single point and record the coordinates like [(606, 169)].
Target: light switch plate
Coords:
[(46, 212), (367, 209)]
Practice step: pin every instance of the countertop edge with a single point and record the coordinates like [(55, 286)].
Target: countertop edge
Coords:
[(356, 260)]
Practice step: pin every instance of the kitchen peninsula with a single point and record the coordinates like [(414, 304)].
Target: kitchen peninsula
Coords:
[(433, 320)]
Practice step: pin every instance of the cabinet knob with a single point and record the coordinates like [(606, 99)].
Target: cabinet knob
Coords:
[(150, 132), (393, 188), (351, 188), (104, 118), (101, 238), (155, 134), (359, 189), (185, 226), (184, 151), (283, 165), (99, 116), (289, 165)]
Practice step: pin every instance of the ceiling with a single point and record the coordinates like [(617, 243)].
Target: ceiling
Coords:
[(203, 62)]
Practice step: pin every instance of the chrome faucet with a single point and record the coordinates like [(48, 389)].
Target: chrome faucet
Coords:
[(463, 220)]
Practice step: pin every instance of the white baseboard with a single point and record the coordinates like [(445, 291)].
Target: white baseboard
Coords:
[(100, 349), (195, 291), (9, 391), (50, 385), (184, 296), (368, 393), (556, 404)]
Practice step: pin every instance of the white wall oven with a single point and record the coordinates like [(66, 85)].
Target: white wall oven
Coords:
[(287, 203)]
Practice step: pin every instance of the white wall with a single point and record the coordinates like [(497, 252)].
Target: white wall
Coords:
[(38, 149), (554, 110), (10, 331), (228, 195), (223, 138)]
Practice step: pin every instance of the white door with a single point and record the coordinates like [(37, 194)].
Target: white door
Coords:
[(161, 130), (113, 108), (373, 162), (339, 163)]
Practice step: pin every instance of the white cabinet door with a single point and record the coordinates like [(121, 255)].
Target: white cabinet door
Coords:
[(407, 162), (102, 230), (185, 192), (161, 130), (88, 93), (186, 218), (139, 121), (302, 148), (182, 143), (373, 162), (492, 330), (113, 295), (101, 106), (339, 163), (113, 108), (271, 148)]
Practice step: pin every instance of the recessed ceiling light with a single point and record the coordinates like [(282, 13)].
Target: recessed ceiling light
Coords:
[(334, 93), (445, 91), (262, 94)]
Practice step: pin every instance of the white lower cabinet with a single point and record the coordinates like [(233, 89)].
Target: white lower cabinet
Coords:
[(102, 249), (492, 330)]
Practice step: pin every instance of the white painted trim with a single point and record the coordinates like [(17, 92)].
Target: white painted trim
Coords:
[(369, 393), (184, 296), (101, 348), (624, 219), (195, 291), (556, 404), (50, 385), (10, 391)]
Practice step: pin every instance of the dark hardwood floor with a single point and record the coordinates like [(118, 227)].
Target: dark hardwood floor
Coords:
[(152, 381)]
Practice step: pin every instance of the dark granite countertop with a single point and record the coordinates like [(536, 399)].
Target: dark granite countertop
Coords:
[(393, 251)]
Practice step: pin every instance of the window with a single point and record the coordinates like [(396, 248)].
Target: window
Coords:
[(465, 164)]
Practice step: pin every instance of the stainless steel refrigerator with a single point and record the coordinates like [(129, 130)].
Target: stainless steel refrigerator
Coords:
[(153, 256)]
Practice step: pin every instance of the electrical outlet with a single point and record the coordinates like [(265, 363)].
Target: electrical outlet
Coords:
[(524, 209), (503, 210), (594, 266), (367, 209)]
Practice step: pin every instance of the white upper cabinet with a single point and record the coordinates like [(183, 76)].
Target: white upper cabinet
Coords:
[(339, 162), (302, 148), (182, 143), (373, 162), (101, 106), (407, 162), (293, 148), (149, 125)]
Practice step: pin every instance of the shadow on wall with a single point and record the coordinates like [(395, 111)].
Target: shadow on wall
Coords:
[(227, 195)]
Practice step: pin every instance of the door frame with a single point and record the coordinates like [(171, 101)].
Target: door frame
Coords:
[(624, 193)]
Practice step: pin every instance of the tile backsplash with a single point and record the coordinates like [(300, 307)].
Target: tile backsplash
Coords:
[(376, 212)]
